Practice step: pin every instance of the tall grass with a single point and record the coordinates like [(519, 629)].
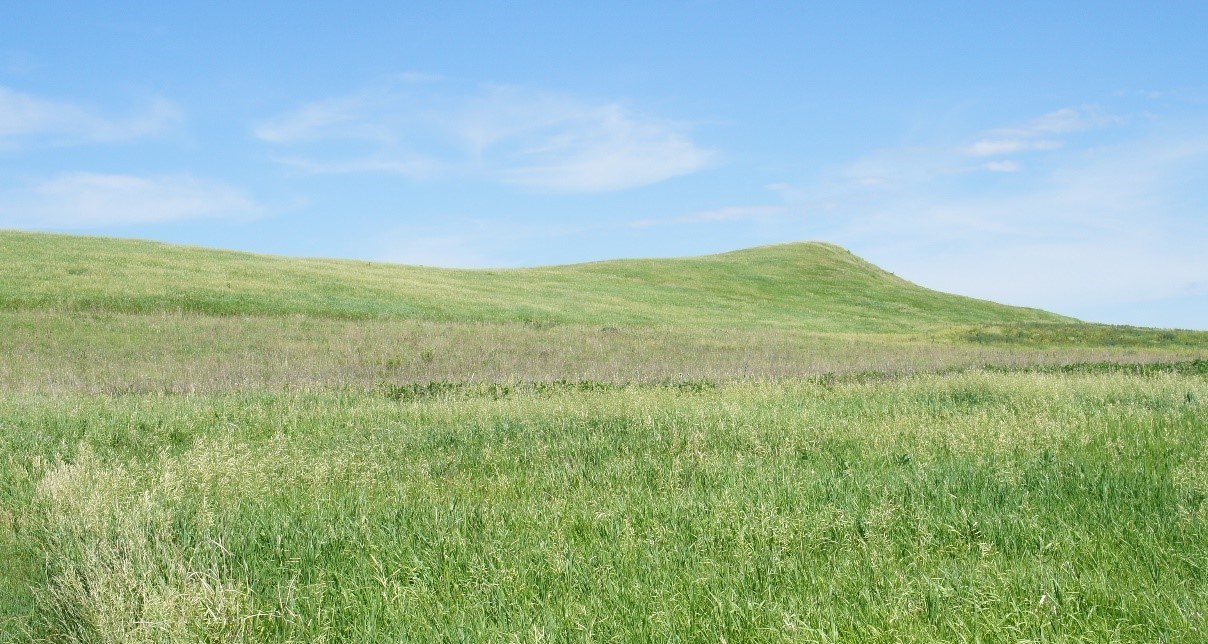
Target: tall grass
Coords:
[(49, 352), (779, 444), (965, 507)]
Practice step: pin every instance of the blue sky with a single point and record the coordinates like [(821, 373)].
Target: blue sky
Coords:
[(1035, 154)]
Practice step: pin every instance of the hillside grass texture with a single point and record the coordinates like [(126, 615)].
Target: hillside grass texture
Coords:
[(110, 316), (813, 286)]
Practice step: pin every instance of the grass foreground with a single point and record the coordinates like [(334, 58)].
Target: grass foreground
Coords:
[(978, 506), (783, 444)]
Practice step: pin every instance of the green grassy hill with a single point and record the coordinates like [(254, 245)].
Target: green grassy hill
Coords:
[(780, 444), (805, 286)]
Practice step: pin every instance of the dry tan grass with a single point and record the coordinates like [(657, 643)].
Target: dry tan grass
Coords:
[(46, 351)]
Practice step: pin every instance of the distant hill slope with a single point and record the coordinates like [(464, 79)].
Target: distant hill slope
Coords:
[(801, 285)]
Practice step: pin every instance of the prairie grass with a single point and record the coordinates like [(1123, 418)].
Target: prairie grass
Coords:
[(53, 352), (784, 444), (978, 506), (1081, 335)]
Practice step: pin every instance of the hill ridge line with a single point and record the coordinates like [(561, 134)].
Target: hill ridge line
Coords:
[(799, 285)]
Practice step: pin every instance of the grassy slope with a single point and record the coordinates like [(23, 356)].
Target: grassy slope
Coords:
[(812, 286)]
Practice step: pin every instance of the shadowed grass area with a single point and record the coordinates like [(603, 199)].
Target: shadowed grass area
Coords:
[(1081, 335), (976, 506)]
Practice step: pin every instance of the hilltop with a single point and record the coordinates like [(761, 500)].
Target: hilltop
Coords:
[(803, 286)]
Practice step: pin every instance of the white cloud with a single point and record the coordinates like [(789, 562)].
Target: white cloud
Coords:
[(536, 140), (24, 116), (1036, 135), (994, 147), (90, 200), (1003, 166)]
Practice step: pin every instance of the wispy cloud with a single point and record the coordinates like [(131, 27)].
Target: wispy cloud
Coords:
[(471, 242), (731, 213), (1099, 222), (1038, 134), (995, 150), (1003, 166), (1063, 121), (25, 117), (995, 147), (425, 128), (446, 251), (90, 200), (1066, 276), (416, 167), (342, 118)]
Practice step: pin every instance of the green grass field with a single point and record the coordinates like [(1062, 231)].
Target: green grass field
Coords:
[(780, 444)]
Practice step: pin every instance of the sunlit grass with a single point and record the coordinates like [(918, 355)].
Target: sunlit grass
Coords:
[(780, 444), (806, 286), (991, 506)]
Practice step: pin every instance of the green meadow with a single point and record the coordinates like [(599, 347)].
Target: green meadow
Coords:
[(783, 444)]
